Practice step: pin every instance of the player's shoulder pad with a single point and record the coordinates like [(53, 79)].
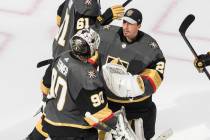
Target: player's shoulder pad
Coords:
[(149, 41), (107, 32), (109, 28)]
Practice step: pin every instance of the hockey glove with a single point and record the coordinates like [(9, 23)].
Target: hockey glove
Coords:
[(121, 82), (199, 65), (202, 61), (115, 12)]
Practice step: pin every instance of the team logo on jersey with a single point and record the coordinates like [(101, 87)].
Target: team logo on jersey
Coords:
[(88, 2), (114, 60), (124, 45), (153, 45), (92, 74), (66, 59)]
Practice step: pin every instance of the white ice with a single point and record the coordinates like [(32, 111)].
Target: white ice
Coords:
[(27, 29)]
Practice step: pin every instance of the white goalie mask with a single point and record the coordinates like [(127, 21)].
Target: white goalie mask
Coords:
[(85, 42)]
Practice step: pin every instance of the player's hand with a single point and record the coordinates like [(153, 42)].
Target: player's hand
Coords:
[(199, 64), (117, 11)]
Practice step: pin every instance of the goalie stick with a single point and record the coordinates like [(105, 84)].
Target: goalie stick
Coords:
[(123, 131), (182, 29)]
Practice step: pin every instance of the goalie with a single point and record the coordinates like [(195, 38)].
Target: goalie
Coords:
[(133, 68), (77, 106)]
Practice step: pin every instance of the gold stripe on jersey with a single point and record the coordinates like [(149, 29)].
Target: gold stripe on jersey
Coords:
[(154, 75), (101, 115), (39, 128), (140, 83), (44, 89), (131, 100), (101, 135), (99, 18), (67, 124), (58, 21)]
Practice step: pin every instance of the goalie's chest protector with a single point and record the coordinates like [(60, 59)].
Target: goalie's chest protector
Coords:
[(135, 56)]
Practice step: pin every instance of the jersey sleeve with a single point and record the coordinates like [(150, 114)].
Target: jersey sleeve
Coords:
[(153, 74), (95, 103), (91, 99), (59, 13), (46, 81)]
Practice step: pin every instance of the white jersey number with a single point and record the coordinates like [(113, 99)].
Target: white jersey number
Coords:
[(97, 99), (160, 66), (82, 23), (60, 37), (57, 82)]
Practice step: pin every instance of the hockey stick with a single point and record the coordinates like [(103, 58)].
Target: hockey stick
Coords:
[(182, 29), (126, 3)]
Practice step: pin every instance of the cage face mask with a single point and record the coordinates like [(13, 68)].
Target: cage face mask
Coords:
[(85, 42)]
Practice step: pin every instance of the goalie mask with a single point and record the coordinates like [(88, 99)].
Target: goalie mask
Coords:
[(84, 43)]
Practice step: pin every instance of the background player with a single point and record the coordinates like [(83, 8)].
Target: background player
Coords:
[(202, 61)]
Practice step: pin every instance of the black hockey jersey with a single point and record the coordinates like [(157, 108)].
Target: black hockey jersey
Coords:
[(76, 15), (143, 57), (76, 89)]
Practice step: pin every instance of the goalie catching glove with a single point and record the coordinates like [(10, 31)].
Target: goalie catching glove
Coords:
[(121, 82)]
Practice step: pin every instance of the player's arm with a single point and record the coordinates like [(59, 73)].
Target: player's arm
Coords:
[(124, 84), (114, 12), (46, 81), (153, 76), (202, 61), (59, 13), (95, 103)]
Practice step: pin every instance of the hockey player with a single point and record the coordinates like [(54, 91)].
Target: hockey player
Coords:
[(73, 15), (84, 14), (77, 89), (133, 69), (202, 61)]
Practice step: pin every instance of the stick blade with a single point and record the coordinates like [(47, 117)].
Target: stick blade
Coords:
[(186, 23)]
